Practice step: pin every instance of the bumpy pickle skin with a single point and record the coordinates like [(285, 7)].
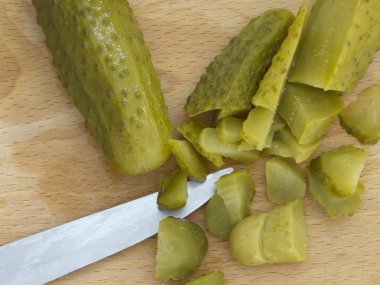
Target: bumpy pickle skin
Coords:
[(308, 111), (191, 131), (210, 143), (188, 159), (339, 169), (285, 181), (271, 87), (246, 240), (339, 43), (212, 278), (182, 246), (284, 237), (361, 118), (173, 191), (229, 129), (233, 77), (100, 54)]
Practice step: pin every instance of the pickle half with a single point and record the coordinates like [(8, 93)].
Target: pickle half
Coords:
[(173, 191)]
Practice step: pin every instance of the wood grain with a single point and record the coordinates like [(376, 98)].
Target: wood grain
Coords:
[(52, 171)]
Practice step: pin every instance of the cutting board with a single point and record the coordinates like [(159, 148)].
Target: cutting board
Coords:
[(52, 171)]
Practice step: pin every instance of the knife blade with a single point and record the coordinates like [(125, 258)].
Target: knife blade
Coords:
[(51, 254)]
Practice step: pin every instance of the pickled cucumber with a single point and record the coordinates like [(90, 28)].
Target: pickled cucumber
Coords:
[(284, 237), (361, 118), (246, 240), (233, 77), (212, 278), (102, 59), (210, 143), (230, 203), (182, 246), (192, 131), (284, 144), (188, 159), (173, 191), (229, 129), (257, 127), (339, 43), (309, 111), (339, 169), (285, 181)]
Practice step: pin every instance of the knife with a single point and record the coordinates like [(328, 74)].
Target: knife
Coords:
[(48, 255)]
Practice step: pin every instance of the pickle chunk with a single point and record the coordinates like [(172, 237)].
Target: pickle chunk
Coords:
[(182, 246), (285, 181), (229, 129), (361, 118), (212, 278), (173, 191)]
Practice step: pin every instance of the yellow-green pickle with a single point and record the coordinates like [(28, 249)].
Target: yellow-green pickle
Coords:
[(173, 191), (212, 278), (100, 54)]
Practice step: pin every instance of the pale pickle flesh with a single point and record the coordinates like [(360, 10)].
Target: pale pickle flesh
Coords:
[(212, 278), (229, 129)]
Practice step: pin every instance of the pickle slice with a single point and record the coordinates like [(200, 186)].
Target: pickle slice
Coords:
[(339, 169), (173, 191), (230, 204), (233, 77), (229, 129), (284, 144), (182, 246), (210, 143), (246, 240), (338, 44), (309, 111), (285, 181), (188, 159), (212, 278), (361, 118), (284, 237), (192, 131)]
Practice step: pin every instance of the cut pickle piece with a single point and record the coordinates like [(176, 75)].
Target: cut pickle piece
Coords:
[(233, 77), (309, 111), (339, 42), (191, 131), (339, 169), (188, 159), (212, 278), (173, 191), (285, 181), (246, 240), (182, 246), (102, 60), (230, 204), (229, 129), (361, 118), (210, 143), (285, 144), (284, 237)]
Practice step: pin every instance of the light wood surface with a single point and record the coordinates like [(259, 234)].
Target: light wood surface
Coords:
[(52, 171)]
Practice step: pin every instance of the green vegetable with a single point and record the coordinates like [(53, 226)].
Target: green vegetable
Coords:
[(102, 60), (230, 204), (309, 111), (212, 278), (284, 237), (338, 44), (361, 118), (233, 77), (246, 240), (182, 246), (285, 181), (210, 143), (192, 131), (271, 87), (284, 144), (188, 159), (229, 129), (173, 191)]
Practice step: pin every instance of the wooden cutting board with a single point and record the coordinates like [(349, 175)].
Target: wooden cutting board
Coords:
[(52, 171)]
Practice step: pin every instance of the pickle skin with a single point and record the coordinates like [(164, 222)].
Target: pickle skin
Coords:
[(233, 77), (173, 191), (212, 278), (100, 54)]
